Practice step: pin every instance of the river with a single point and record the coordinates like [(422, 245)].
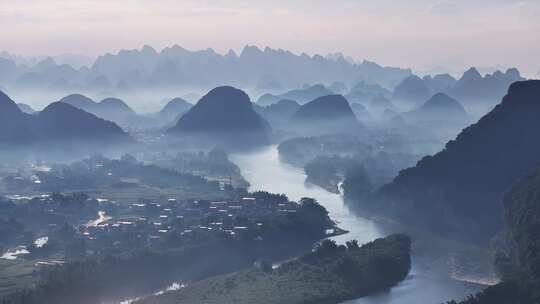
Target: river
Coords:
[(264, 171)]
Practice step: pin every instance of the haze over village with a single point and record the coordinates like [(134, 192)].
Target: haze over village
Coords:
[(269, 152)]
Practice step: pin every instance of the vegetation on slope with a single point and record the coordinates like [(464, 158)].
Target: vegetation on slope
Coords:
[(329, 274)]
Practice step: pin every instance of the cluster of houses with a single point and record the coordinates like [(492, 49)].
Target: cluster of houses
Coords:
[(151, 223)]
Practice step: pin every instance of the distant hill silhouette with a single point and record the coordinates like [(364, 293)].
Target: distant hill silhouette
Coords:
[(268, 99), (168, 116), (326, 115), (280, 113), (301, 96), (379, 104), (478, 93), (58, 122), (115, 105), (439, 108), (112, 109), (363, 93), (412, 90), (224, 117), (267, 68), (440, 83), (174, 109), (473, 87), (26, 108), (361, 112), (458, 190), (80, 101), (13, 122), (338, 87)]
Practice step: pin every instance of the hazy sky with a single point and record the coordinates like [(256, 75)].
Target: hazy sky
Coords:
[(413, 33)]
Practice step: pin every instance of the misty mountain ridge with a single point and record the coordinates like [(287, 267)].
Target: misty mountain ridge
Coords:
[(279, 114), (472, 88), (173, 110), (361, 112), (440, 107), (302, 96), (14, 127), (363, 93), (59, 122), (378, 105), (458, 190), (411, 90), (116, 110), (175, 66)]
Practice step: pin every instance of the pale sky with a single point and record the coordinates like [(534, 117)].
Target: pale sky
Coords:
[(417, 33)]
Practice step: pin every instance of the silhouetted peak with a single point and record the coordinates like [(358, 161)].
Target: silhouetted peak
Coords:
[(444, 77), (471, 74), (175, 105), (498, 74), (331, 100), (115, 104), (78, 100), (525, 91), (412, 89), (7, 105), (146, 49), (61, 121), (226, 94), (513, 73), (441, 99), (46, 63), (317, 86), (250, 50), (26, 108), (226, 115), (287, 103), (231, 54), (329, 114), (325, 107), (62, 108), (412, 79), (210, 51), (441, 103)]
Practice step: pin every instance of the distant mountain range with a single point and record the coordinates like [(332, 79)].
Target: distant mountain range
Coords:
[(279, 114), (223, 117), (301, 96), (265, 69), (112, 109), (472, 88), (458, 191), (58, 122), (117, 110)]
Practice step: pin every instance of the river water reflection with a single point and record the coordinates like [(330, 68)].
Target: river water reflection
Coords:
[(264, 171)]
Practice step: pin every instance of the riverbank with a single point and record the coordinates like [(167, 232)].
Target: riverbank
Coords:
[(264, 171), (328, 275)]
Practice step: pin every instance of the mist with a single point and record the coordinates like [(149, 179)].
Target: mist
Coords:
[(269, 152)]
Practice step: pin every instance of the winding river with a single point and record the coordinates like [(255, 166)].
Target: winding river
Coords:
[(264, 171)]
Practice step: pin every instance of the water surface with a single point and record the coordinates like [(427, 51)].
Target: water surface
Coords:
[(264, 171)]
